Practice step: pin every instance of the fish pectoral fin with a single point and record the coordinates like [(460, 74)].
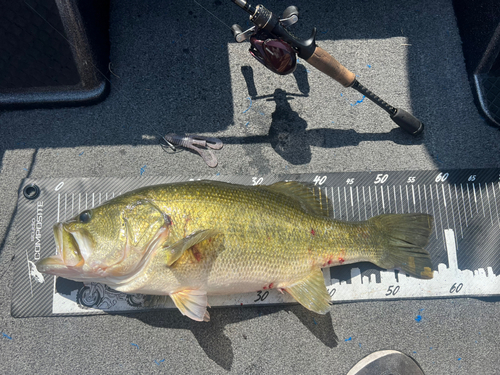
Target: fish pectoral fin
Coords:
[(311, 292), (175, 251), (192, 303)]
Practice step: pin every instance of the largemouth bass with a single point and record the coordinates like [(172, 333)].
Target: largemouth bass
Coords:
[(192, 239)]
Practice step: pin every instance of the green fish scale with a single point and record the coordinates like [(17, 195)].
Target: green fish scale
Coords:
[(266, 236)]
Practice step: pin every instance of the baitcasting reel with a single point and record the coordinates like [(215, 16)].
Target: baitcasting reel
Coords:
[(277, 49), (274, 53)]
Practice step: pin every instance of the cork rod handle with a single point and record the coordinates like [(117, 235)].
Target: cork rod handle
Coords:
[(326, 63)]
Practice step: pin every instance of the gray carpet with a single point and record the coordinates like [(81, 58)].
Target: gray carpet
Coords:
[(177, 69)]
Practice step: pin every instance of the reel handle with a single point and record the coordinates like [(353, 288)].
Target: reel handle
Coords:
[(326, 63), (239, 35), (237, 30)]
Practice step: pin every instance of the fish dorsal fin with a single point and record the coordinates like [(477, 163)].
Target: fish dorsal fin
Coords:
[(311, 198), (175, 251), (192, 303), (311, 292)]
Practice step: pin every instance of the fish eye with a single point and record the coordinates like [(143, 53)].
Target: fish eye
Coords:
[(85, 217)]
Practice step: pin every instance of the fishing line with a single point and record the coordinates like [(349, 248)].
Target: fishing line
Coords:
[(165, 144), (93, 65), (72, 45), (225, 24)]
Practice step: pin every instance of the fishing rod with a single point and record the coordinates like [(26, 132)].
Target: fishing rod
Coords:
[(273, 45)]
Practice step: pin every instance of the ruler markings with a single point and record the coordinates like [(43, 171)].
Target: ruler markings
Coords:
[(402, 204), (99, 199), (86, 200), (352, 202), (382, 194), (357, 197), (72, 204), (389, 197), (333, 202), (458, 208), (489, 203), (470, 204), (426, 203), (464, 207), (496, 204), (58, 206), (433, 212), (463, 204), (419, 198), (452, 210), (475, 198), (407, 199), (440, 213), (413, 194), (364, 203), (482, 200), (65, 205), (345, 201), (395, 200), (340, 203), (445, 206), (376, 199), (325, 192), (371, 203)]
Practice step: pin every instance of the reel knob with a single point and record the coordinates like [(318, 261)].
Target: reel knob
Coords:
[(240, 35), (292, 10), (290, 16), (237, 30)]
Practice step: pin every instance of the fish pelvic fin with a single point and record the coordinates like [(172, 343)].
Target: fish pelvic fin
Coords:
[(192, 303), (311, 292), (175, 251), (405, 236)]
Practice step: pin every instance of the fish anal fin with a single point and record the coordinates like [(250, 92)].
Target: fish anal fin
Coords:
[(192, 303), (310, 197), (311, 292), (175, 251)]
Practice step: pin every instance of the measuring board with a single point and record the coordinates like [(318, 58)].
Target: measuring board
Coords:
[(464, 246)]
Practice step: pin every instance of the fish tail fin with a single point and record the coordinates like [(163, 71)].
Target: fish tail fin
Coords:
[(404, 239)]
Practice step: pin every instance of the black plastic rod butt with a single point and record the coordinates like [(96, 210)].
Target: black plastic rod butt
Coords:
[(408, 122)]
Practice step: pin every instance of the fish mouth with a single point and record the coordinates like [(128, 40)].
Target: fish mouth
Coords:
[(52, 265), (61, 264)]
